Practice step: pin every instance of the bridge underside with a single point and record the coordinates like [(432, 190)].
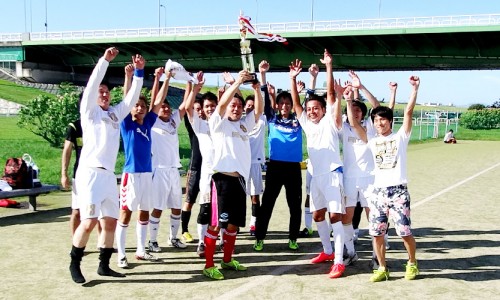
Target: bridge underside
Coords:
[(386, 51)]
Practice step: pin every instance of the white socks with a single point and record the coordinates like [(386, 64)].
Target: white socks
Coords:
[(175, 222), (349, 238), (338, 237), (154, 226), (121, 233), (142, 232), (324, 235), (202, 229), (308, 217)]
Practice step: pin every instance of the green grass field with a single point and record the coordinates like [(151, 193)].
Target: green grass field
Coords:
[(16, 93), (15, 141)]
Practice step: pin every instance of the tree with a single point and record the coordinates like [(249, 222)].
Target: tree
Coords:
[(495, 104), (49, 116), (477, 106)]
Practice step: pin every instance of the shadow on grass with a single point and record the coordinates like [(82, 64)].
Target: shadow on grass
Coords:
[(47, 216)]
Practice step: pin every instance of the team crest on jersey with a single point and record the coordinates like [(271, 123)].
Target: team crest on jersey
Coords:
[(295, 123), (243, 128), (112, 116)]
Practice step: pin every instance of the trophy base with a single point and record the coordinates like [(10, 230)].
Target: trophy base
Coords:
[(252, 80)]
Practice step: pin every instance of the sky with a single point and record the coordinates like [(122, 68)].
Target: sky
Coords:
[(461, 88)]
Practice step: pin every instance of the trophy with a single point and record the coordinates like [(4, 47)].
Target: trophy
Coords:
[(246, 54)]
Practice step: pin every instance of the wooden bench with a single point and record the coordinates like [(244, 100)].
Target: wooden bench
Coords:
[(31, 193)]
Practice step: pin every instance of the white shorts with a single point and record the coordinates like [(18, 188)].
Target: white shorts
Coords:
[(167, 191), (327, 192), (97, 193), (135, 191), (355, 189), (205, 187), (74, 195), (255, 185), (308, 182)]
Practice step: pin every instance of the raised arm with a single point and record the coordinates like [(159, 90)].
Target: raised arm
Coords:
[(156, 86), (393, 86), (272, 96), (162, 93), (127, 82), (330, 91), (230, 91), (187, 92), (135, 89), (268, 104), (189, 102), (407, 120), (90, 94), (258, 102), (356, 83), (314, 71), (355, 124), (355, 92), (295, 68), (263, 69), (229, 79)]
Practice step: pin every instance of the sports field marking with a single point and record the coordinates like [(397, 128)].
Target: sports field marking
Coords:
[(255, 283), (453, 186)]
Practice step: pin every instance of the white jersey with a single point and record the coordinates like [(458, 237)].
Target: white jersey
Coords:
[(231, 145), (165, 142), (101, 128), (256, 136), (358, 160), (389, 154), (322, 143), (202, 131), (448, 136)]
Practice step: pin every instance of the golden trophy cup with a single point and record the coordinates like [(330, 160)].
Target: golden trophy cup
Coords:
[(246, 54)]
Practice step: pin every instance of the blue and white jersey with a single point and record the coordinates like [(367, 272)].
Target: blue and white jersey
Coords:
[(137, 143)]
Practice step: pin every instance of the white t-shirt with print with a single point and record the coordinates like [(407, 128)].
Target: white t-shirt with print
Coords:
[(390, 158), (165, 142), (231, 144), (256, 136), (358, 160), (322, 143), (202, 131), (101, 128)]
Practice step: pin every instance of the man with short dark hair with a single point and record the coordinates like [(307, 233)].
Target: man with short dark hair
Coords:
[(95, 178)]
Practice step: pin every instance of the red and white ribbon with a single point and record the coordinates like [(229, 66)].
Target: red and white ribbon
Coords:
[(260, 36)]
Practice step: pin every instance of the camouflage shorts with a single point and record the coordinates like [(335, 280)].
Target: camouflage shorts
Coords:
[(393, 201)]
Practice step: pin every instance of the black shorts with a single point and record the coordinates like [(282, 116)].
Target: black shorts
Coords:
[(192, 186), (230, 204)]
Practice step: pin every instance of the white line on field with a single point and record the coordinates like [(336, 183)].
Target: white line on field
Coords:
[(255, 283), (453, 186)]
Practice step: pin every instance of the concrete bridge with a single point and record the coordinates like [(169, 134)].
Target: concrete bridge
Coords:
[(424, 43)]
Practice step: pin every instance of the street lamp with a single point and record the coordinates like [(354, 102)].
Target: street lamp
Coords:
[(312, 11), (164, 15), (379, 6), (46, 24), (159, 5)]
